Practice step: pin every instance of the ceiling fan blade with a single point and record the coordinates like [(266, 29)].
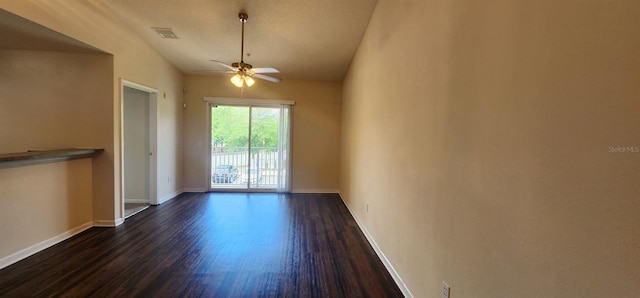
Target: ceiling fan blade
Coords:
[(268, 78), (225, 65), (214, 71), (211, 72), (265, 70)]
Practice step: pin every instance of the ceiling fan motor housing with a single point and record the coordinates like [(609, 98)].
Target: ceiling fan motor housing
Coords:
[(242, 65)]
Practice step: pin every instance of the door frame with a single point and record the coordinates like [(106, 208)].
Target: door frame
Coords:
[(246, 102), (153, 144)]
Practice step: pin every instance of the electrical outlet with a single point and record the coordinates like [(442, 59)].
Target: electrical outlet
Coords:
[(367, 206), (445, 290)]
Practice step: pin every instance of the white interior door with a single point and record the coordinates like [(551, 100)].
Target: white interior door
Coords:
[(136, 147)]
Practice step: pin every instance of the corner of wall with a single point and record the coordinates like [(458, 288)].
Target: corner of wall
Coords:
[(385, 261)]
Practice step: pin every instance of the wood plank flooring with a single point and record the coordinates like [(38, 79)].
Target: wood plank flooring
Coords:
[(213, 245)]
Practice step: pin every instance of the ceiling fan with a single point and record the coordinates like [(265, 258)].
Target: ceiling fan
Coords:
[(245, 72)]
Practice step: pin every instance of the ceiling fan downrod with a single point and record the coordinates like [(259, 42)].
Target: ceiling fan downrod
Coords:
[(241, 65), (243, 19)]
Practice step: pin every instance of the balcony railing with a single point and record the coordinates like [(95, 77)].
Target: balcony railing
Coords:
[(236, 167)]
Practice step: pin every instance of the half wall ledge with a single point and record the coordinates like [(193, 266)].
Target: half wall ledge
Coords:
[(9, 160)]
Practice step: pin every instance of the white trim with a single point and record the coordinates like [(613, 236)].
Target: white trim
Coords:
[(153, 146), (137, 86), (105, 223), (194, 189), (29, 251), (243, 190), (387, 264), (247, 101), (301, 190), (170, 196), (136, 201), (207, 176)]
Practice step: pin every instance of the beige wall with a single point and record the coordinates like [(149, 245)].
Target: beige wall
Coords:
[(315, 133), (134, 60), (54, 100), (479, 134), (42, 201), (51, 100)]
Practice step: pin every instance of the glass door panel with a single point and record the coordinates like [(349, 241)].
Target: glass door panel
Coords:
[(264, 158), (229, 145)]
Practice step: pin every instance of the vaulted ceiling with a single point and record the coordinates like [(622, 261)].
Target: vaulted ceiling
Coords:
[(21, 34), (304, 39)]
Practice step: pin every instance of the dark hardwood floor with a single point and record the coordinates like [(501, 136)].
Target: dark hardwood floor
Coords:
[(213, 245)]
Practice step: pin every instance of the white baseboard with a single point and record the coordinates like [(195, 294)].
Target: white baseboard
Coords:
[(20, 255), (383, 258), (108, 223), (298, 190), (301, 190), (194, 190), (136, 201), (170, 196)]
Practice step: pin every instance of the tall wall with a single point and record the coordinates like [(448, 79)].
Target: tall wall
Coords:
[(487, 138), (315, 128), (50, 100), (133, 60)]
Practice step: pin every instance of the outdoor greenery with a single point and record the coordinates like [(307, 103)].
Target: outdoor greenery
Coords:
[(230, 126)]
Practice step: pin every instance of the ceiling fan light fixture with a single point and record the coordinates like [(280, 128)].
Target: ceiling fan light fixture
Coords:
[(249, 81), (237, 80), (240, 80)]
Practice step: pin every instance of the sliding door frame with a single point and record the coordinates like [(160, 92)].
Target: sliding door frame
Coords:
[(250, 103)]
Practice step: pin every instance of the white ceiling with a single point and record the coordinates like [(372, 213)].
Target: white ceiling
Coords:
[(304, 39)]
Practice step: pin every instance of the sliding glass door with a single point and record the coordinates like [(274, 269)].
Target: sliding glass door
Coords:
[(250, 147)]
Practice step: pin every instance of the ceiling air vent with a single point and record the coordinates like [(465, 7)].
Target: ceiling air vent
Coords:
[(165, 32)]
